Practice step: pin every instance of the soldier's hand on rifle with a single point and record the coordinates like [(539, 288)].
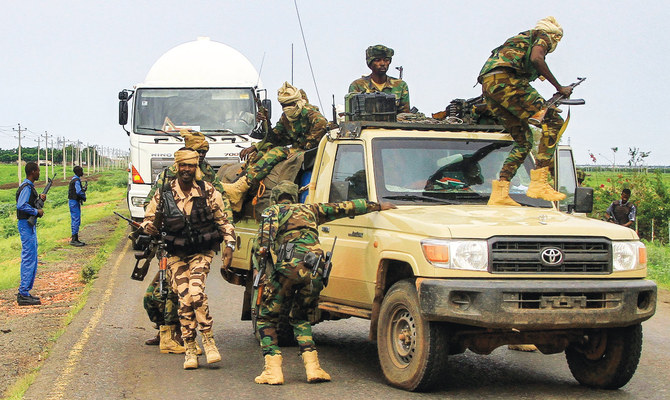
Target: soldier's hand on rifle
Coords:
[(248, 152), (40, 212), (43, 197), (227, 257), (150, 229), (565, 91), (386, 205), (260, 116)]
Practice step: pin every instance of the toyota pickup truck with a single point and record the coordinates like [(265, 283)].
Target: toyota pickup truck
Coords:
[(445, 273)]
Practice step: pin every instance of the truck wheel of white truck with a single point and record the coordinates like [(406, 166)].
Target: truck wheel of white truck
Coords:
[(608, 358), (412, 351)]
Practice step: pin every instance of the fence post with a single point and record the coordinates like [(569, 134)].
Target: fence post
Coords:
[(652, 230)]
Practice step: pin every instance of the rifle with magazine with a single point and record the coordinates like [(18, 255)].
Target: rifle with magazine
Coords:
[(265, 257), (556, 100), (39, 203)]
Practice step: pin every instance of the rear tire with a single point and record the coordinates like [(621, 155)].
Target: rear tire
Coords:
[(412, 351), (609, 358)]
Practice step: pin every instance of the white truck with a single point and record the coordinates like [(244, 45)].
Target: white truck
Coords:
[(201, 85)]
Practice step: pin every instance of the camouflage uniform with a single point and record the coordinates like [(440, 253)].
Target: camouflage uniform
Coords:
[(505, 80), (394, 86), (291, 288), (189, 271), (302, 134)]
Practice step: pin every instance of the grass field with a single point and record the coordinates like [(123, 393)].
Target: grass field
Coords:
[(54, 228), (9, 173), (597, 178)]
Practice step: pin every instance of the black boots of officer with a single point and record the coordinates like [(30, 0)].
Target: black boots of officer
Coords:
[(75, 241)]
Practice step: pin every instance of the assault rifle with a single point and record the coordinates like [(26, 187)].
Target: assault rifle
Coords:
[(39, 203), (554, 101), (262, 127), (265, 257), (146, 243), (160, 242), (84, 188)]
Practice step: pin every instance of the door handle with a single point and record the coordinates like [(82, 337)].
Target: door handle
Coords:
[(356, 234), (325, 229)]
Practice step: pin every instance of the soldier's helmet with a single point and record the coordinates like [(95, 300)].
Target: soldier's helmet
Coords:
[(377, 51), (282, 188)]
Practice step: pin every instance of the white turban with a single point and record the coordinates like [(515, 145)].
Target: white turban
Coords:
[(551, 27), (290, 94)]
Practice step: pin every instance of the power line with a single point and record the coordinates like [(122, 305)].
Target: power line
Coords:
[(295, 2)]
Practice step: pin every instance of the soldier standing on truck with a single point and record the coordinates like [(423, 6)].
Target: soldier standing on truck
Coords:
[(163, 312), (301, 126), (622, 211), (505, 81), (378, 59), (294, 284)]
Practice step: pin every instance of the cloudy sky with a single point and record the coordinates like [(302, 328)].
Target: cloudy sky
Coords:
[(65, 61)]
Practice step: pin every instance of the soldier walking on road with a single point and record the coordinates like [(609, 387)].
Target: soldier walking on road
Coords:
[(505, 83), (76, 195), (193, 227), (292, 287)]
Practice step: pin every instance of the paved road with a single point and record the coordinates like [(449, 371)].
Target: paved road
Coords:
[(102, 356)]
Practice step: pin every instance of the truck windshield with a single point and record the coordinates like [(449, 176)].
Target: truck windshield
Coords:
[(458, 170), (211, 111)]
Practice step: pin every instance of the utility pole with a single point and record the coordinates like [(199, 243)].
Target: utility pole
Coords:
[(38, 152), (46, 158), (88, 159), (53, 166), (19, 159), (64, 159)]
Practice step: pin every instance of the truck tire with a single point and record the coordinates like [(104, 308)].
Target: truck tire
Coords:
[(412, 351), (609, 359)]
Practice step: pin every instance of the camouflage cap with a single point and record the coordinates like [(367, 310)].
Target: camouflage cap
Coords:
[(377, 51), (284, 187)]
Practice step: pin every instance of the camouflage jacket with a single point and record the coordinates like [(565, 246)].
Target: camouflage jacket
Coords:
[(302, 134), (184, 202), (395, 86), (208, 175), (297, 223), (515, 54)]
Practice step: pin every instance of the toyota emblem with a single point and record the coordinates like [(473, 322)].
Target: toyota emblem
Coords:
[(552, 256)]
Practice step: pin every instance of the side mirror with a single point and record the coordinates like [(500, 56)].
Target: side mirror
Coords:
[(123, 112), (583, 200), (268, 106)]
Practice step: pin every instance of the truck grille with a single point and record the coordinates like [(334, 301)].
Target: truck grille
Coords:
[(562, 301), (551, 255)]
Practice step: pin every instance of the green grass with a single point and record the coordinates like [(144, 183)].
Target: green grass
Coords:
[(597, 178), (658, 265), (9, 173)]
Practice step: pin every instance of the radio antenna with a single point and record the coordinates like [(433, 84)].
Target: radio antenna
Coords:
[(295, 2)]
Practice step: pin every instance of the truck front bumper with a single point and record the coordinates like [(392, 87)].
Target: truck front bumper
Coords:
[(537, 304)]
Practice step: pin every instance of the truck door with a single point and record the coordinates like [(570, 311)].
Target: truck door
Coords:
[(566, 177)]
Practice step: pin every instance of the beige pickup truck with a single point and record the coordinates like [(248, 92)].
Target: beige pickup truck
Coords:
[(444, 272)]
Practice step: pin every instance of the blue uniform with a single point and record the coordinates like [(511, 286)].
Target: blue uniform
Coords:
[(28, 240), (75, 206)]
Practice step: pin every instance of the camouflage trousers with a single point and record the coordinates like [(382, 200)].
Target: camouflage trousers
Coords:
[(291, 290), (512, 100), (265, 161), (161, 312), (189, 274)]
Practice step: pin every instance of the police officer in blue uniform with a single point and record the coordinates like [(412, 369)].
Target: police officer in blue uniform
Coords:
[(76, 195), (26, 196)]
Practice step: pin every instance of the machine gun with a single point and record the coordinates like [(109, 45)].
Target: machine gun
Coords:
[(263, 126), (39, 203), (462, 111), (554, 101)]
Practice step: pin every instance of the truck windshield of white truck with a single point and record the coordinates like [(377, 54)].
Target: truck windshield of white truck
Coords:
[(217, 111)]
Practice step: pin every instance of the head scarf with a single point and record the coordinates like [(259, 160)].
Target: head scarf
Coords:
[(188, 156), (551, 27), (290, 94), (194, 140), (377, 51), (284, 187)]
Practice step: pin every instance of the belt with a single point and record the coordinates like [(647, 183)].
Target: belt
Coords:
[(489, 75)]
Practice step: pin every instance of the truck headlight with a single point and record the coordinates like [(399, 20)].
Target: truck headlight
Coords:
[(627, 256), (457, 254)]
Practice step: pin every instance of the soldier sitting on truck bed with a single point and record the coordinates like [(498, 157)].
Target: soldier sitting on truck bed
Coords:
[(378, 58), (301, 126)]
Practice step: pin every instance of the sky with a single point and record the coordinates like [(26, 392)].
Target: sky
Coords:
[(65, 61)]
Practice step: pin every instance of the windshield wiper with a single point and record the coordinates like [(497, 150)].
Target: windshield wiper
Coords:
[(415, 197), (239, 135), (174, 135)]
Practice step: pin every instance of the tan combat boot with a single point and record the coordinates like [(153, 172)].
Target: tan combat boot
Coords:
[(167, 342), (236, 191), (312, 368), (522, 347), (500, 194), (272, 373), (539, 188), (191, 358), (211, 352)]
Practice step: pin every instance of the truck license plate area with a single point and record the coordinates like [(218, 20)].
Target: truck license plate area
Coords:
[(566, 301)]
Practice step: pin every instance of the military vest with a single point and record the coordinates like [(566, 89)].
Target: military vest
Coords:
[(72, 190), (621, 212), (31, 200)]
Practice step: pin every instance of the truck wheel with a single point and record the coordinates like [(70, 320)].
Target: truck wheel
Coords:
[(412, 351), (608, 359)]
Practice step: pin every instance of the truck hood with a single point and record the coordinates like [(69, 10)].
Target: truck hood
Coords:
[(481, 222)]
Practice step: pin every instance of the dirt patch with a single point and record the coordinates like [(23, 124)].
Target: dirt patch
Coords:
[(25, 331)]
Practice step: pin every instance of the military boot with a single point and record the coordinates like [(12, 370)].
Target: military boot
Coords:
[(312, 368), (191, 358), (500, 194), (236, 191), (154, 341), (74, 241), (168, 344), (539, 187), (522, 347), (272, 373), (211, 352)]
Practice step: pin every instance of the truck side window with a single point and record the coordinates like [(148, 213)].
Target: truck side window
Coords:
[(349, 180)]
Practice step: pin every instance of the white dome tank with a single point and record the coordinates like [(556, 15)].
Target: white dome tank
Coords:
[(202, 63)]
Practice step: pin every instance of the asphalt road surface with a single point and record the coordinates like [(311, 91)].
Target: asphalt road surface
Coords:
[(102, 356)]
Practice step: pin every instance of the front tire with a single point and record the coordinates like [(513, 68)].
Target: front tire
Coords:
[(608, 359), (412, 351)]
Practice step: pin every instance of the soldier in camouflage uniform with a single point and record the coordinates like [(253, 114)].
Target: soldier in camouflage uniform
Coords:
[(301, 126), (505, 83), (163, 312), (291, 288), (194, 225), (378, 58)]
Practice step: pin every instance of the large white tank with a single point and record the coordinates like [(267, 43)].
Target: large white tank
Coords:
[(202, 63)]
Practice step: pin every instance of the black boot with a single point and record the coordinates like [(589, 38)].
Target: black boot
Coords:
[(77, 236), (27, 300), (74, 241)]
